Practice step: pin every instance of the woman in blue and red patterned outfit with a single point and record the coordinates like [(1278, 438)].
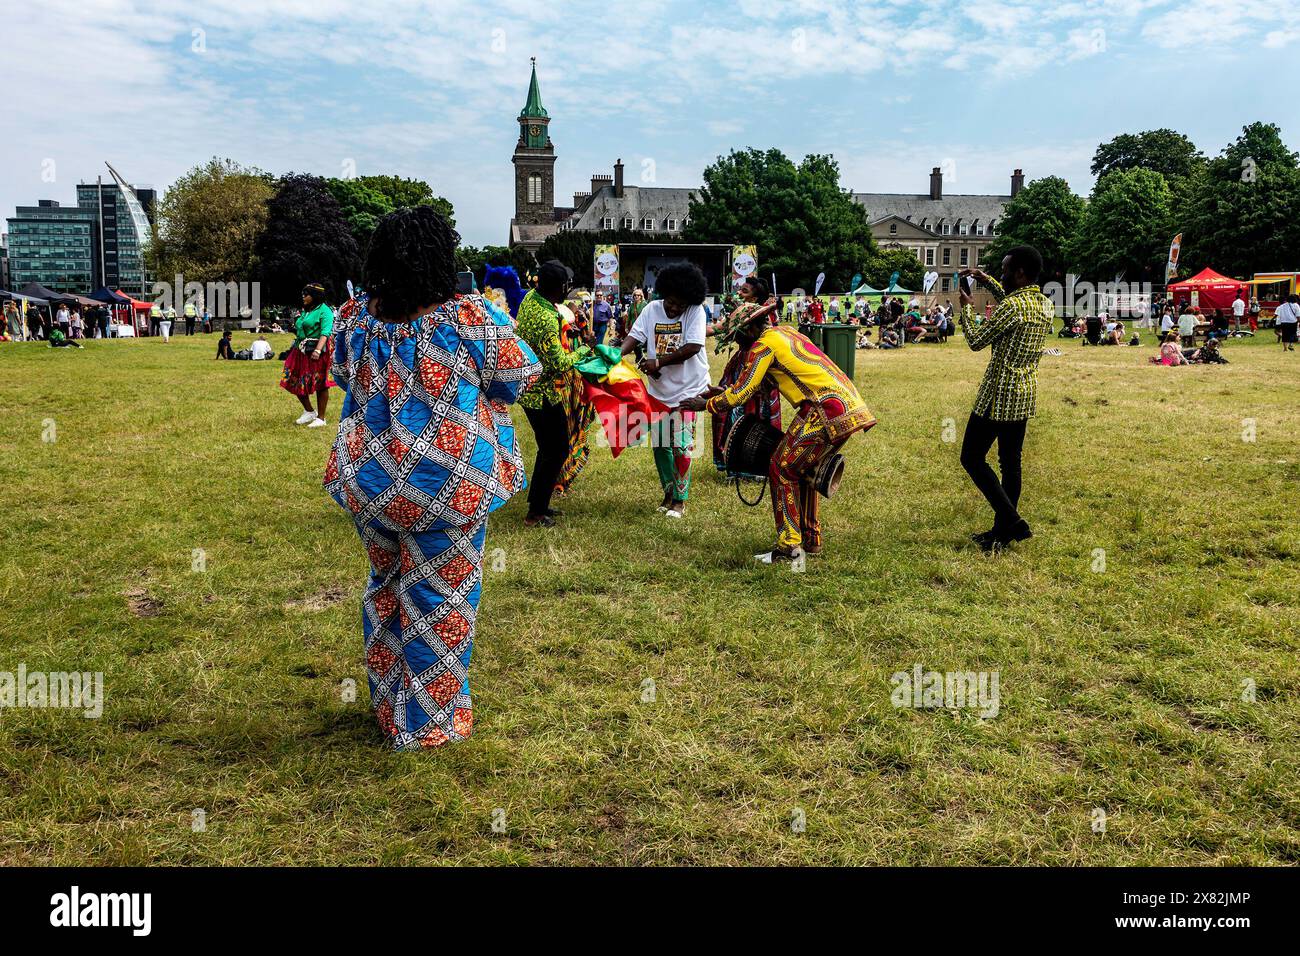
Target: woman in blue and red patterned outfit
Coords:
[(425, 451)]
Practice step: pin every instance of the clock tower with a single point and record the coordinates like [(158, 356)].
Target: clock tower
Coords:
[(534, 161)]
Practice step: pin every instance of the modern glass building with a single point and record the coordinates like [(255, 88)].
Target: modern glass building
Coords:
[(55, 246), (100, 241)]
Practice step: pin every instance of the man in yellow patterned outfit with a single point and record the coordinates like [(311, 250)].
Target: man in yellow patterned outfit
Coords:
[(828, 409)]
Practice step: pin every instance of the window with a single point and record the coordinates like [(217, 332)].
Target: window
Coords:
[(648, 224), (929, 257), (628, 222), (947, 257), (917, 251), (672, 225), (534, 188), (607, 222), (962, 228), (965, 256), (945, 285), (979, 228), (893, 228), (945, 227), (925, 223), (992, 227)]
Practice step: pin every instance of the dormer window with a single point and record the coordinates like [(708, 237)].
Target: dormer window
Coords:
[(628, 222), (648, 224)]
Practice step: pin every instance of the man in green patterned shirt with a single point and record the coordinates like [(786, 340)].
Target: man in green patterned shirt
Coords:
[(1008, 393)]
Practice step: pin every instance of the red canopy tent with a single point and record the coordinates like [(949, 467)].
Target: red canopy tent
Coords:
[(136, 303), (1213, 291)]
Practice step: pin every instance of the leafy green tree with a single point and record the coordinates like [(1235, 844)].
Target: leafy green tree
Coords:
[(800, 218), (1125, 228), (366, 199), (1163, 151), (911, 274), (1244, 213), (208, 223), (1045, 215), (400, 191), (307, 239)]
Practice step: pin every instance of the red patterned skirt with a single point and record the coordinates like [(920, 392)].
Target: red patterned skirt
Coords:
[(304, 376)]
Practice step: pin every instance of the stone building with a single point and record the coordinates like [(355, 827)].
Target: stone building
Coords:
[(946, 233), (610, 203)]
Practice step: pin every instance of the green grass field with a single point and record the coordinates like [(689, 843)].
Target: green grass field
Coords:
[(1124, 690)]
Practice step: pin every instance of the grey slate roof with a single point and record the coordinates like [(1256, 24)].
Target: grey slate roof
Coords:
[(660, 203), (965, 207)]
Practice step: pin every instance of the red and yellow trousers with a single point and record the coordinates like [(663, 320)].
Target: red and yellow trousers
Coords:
[(794, 499)]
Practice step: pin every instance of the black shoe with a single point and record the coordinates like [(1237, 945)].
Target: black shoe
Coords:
[(983, 537), (1001, 539), (539, 521), (554, 513)]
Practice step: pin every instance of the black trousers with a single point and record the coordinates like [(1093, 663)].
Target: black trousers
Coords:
[(1003, 496), (551, 429)]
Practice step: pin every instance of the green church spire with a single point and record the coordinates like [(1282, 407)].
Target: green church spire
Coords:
[(534, 108)]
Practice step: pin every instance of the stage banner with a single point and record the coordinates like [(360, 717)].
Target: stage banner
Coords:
[(744, 263), (606, 270), (1171, 267)]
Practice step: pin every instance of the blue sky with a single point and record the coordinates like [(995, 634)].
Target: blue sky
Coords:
[(430, 89)]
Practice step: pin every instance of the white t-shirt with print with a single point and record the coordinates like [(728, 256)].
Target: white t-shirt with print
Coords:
[(661, 335)]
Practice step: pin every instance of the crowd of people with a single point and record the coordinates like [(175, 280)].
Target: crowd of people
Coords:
[(426, 447)]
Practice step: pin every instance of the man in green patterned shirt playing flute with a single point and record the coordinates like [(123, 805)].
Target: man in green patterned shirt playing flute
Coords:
[(1008, 393)]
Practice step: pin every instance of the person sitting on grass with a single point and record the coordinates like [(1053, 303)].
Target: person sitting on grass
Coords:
[(1207, 354), (58, 340), (224, 349), (1171, 352)]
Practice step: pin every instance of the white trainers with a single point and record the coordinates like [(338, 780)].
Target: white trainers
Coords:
[(316, 423), (305, 418)]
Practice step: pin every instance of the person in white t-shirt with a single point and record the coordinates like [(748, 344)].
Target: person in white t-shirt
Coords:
[(261, 349), (671, 330), (1287, 317), (1238, 310)]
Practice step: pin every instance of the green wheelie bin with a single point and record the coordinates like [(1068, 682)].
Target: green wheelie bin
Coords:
[(840, 343)]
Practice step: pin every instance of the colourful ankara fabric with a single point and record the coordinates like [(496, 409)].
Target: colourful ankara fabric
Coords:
[(425, 438), (539, 326), (804, 374)]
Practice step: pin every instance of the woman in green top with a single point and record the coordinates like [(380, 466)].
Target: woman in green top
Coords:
[(545, 403), (307, 369)]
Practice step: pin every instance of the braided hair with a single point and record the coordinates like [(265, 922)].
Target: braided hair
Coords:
[(411, 262)]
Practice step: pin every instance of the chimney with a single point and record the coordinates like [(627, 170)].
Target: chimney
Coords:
[(936, 183), (1017, 181), (579, 199), (618, 178), (597, 181)]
